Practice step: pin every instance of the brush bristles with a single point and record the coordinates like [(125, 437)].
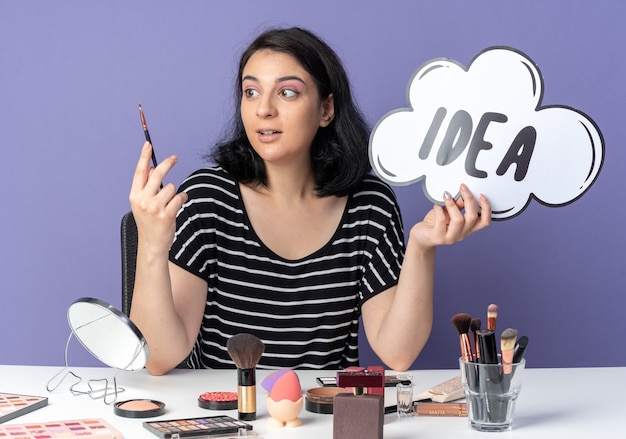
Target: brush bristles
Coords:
[(462, 322), (245, 350), (475, 324), (507, 339)]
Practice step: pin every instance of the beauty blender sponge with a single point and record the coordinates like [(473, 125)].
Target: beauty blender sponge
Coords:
[(287, 386), (271, 379)]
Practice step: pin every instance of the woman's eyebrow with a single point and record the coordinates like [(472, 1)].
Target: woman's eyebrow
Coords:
[(290, 78), (278, 80)]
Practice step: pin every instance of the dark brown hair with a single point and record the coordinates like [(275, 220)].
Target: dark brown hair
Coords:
[(339, 154)]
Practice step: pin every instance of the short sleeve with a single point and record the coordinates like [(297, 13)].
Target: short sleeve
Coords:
[(385, 237)]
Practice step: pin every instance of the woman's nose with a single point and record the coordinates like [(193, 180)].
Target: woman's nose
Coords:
[(266, 107)]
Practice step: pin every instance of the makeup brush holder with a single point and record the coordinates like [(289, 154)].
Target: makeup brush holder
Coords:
[(491, 391)]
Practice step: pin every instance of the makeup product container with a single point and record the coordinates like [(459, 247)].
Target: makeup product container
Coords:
[(13, 405), (360, 414), (404, 397), (218, 400), (139, 408), (491, 393), (321, 399)]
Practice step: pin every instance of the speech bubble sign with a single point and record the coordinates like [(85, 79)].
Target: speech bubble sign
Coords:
[(485, 126)]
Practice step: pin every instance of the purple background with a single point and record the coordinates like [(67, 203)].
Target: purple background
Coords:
[(72, 73)]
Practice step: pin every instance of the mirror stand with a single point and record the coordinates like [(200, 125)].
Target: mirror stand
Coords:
[(110, 337), (106, 392)]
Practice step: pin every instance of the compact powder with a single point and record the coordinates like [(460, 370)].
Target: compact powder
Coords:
[(218, 400), (321, 399), (139, 408)]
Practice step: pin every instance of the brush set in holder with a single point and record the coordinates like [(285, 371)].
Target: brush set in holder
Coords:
[(491, 380)]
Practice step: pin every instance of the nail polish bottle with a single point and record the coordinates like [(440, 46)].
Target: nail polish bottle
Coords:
[(359, 414)]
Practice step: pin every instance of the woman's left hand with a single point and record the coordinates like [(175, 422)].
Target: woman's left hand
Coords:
[(454, 222)]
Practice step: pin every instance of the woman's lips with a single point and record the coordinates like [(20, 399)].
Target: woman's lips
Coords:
[(268, 135)]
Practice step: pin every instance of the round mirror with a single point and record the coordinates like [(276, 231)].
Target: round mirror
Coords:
[(107, 334)]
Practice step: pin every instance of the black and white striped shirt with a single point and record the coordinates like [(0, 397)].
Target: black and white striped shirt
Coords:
[(305, 311)]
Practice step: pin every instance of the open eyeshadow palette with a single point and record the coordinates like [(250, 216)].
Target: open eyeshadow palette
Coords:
[(13, 405), (207, 426), (80, 428)]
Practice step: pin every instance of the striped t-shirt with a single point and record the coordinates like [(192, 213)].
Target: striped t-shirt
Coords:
[(305, 311)]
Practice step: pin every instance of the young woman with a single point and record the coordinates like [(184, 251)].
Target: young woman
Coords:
[(288, 237)]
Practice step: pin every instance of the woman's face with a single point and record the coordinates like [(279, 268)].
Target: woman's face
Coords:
[(280, 107)]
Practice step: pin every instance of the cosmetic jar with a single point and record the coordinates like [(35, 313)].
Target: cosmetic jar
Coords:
[(321, 399), (404, 395)]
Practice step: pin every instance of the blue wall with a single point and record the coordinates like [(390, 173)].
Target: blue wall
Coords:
[(72, 73)]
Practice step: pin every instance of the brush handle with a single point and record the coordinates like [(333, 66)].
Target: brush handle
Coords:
[(147, 136), (246, 394), (487, 346), (520, 349)]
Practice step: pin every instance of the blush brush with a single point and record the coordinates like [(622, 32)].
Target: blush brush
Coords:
[(462, 324), (246, 351)]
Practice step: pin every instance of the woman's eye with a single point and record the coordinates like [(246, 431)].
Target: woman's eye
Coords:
[(250, 93), (288, 93)]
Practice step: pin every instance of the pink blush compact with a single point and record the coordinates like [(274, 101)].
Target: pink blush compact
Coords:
[(218, 400), (139, 408)]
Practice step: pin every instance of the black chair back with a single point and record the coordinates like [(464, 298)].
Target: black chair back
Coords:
[(129, 259)]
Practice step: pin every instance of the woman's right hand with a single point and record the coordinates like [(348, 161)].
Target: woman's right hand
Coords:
[(154, 210)]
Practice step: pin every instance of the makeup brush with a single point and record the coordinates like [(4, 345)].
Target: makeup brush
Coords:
[(520, 348), (507, 346), (146, 134), (245, 350), (492, 316), (462, 323), (475, 325)]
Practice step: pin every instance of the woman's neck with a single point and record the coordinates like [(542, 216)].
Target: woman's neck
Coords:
[(289, 184)]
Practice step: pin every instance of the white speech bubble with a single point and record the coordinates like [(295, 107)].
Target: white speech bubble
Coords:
[(484, 126)]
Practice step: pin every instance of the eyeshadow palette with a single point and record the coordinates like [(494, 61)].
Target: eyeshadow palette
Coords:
[(205, 427), (13, 405), (83, 428)]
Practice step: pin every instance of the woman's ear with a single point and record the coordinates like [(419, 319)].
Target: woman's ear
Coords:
[(328, 111)]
